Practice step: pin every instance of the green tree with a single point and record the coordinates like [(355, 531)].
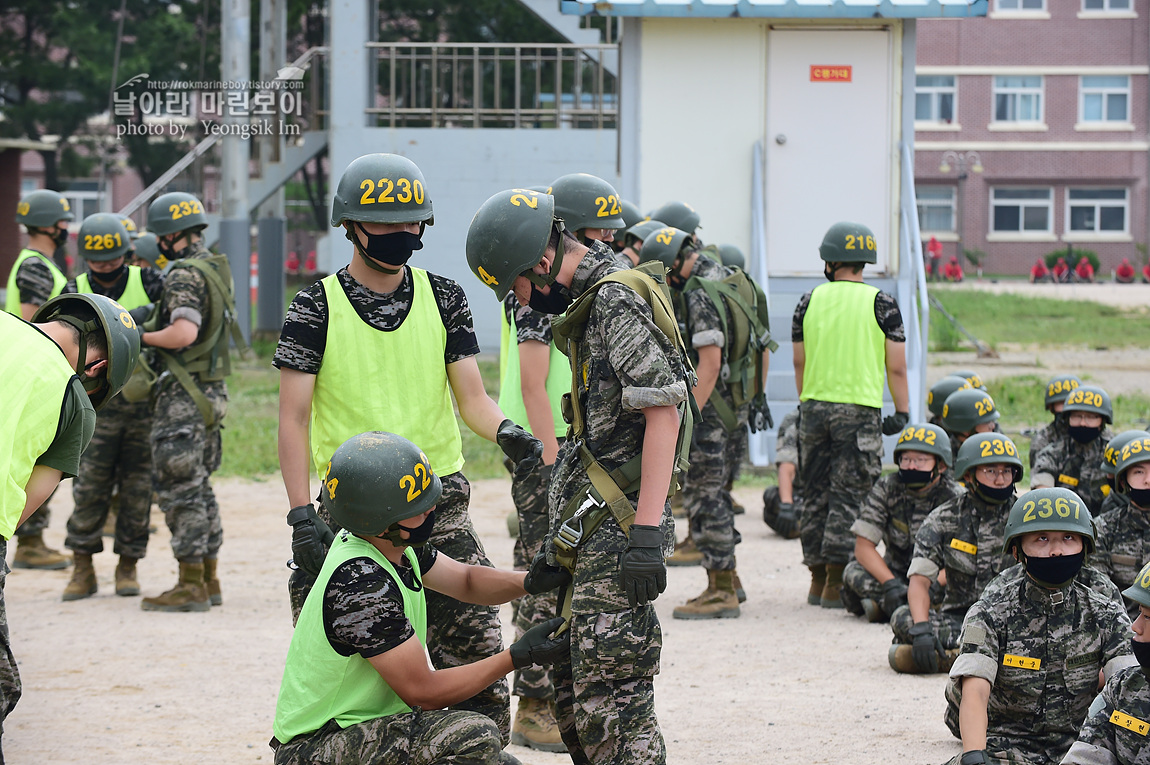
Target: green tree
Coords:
[(462, 21)]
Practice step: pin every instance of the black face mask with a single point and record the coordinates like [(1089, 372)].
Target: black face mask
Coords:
[(1083, 434), (60, 236), (417, 537), (992, 494), (915, 479), (829, 272), (390, 249), (1140, 497), (111, 277), (1141, 653), (1055, 571), (554, 303)]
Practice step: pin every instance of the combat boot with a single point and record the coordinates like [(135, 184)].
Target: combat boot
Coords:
[(873, 610), (31, 552), (83, 582), (126, 582), (212, 581), (718, 601), (189, 594), (818, 582), (740, 593), (686, 554), (901, 659), (947, 661), (535, 726), (831, 596)]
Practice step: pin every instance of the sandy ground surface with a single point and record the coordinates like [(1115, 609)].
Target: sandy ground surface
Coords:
[(105, 682)]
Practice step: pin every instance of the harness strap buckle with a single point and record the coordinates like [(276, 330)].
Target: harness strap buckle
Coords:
[(570, 534)]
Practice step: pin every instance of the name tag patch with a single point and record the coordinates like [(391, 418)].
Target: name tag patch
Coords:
[(1068, 480), (965, 547), (1022, 662), (1083, 659), (1141, 727)]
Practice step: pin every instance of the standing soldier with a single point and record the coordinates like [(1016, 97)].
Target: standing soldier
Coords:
[(35, 279), (846, 335), (783, 504), (119, 457), (1075, 461), (1058, 388), (195, 322), (590, 207)]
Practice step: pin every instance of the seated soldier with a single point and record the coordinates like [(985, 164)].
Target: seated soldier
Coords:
[(893, 511), (782, 504), (1084, 270), (1061, 271), (940, 391), (967, 412), (962, 537), (1031, 656), (357, 686), (1124, 531), (1057, 391), (953, 270), (1039, 272), (1075, 461)]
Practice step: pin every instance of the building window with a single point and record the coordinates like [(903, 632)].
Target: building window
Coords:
[(1021, 210), (1018, 98), (935, 208), (934, 98), (1097, 211), (1104, 98), (1022, 5), (85, 198), (1106, 5)]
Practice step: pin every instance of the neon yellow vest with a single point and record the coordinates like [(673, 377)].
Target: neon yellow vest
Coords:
[(12, 299), (34, 377), (510, 387), (394, 381), (844, 345), (133, 296), (318, 683)]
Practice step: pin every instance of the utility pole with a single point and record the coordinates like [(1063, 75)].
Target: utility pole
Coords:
[(235, 222), (271, 233)]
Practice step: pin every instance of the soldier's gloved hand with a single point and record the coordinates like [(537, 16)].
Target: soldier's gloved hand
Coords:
[(787, 521), (893, 595), (925, 648), (974, 757), (894, 423), (141, 314), (537, 646), (642, 571), (310, 538), (759, 417), (522, 448), (543, 577)]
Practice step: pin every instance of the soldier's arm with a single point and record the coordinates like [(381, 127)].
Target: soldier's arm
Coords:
[(918, 597), (787, 471), (799, 358), (40, 486), (867, 555), (179, 334), (481, 585), (972, 719), (405, 668), (296, 390), (1045, 467), (659, 440), (476, 408), (896, 375), (710, 361), (534, 366)]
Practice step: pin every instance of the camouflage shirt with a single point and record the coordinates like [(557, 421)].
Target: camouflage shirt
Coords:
[(886, 313), (529, 324), (963, 536), (1087, 575), (1124, 739), (704, 325), (1122, 544), (1076, 466), (151, 279), (1055, 430), (34, 281), (363, 605), (186, 296), (892, 514), (1041, 651), (304, 335)]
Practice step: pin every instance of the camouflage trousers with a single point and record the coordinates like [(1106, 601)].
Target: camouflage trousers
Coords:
[(996, 756), (715, 454), (529, 493), (947, 626), (10, 688), (841, 448), (859, 584), (415, 738), (184, 456), (119, 457)]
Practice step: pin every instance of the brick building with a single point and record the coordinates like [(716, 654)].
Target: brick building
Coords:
[(1031, 131)]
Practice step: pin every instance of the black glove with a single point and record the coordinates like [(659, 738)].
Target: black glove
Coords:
[(522, 448), (893, 595), (974, 757), (787, 521), (543, 577), (310, 538), (642, 572), (760, 414), (141, 330), (925, 649), (537, 646), (142, 313), (893, 424)]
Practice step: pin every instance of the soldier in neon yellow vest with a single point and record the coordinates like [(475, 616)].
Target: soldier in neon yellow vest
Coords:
[(33, 280), (357, 686), (847, 337), (383, 345), (119, 456)]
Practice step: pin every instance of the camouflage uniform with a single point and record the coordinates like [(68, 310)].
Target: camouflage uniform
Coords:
[(1105, 742), (1088, 576), (1055, 430), (786, 450), (1077, 467), (891, 514), (965, 520), (1034, 712), (1123, 544), (605, 695)]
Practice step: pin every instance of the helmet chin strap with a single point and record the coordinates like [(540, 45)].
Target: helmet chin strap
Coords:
[(550, 279)]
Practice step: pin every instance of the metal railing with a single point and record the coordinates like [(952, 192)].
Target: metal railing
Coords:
[(917, 323), (494, 85)]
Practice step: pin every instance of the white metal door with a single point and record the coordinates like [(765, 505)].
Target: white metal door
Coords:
[(829, 142)]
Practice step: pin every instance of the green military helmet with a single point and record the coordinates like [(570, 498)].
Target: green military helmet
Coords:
[(96, 313), (732, 256), (987, 449), (678, 215), (381, 188), (587, 201), (43, 209), (1059, 387), (927, 438), (103, 237), (631, 214), (148, 248), (849, 243), (376, 479), (174, 212), (971, 377), (942, 389), (1114, 449), (664, 246), (1049, 510), (1139, 592), (130, 227), (1133, 453), (966, 409), (1089, 398), (640, 231), (508, 236)]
